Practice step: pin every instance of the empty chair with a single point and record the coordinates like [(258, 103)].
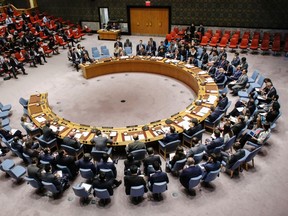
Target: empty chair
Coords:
[(7, 165), (244, 44), (193, 182), (47, 144), (33, 182), (96, 54), (233, 43), (4, 114), (265, 46), (273, 124), (250, 156), (86, 173), (16, 172), (128, 51), (187, 140), (72, 151), (204, 41), (213, 42), (6, 107), (23, 102), (253, 77), (228, 145), (276, 47), (158, 188), (103, 195), (103, 47), (97, 155), (105, 53), (5, 122), (139, 154), (223, 42), (254, 45), (82, 192), (245, 93), (259, 82), (286, 47), (224, 90), (178, 166), (212, 175), (165, 149)]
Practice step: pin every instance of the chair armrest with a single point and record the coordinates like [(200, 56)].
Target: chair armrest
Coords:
[(161, 144)]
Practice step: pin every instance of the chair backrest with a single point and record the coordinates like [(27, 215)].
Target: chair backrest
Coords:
[(252, 154), (229, 143), (80, 191), (64, 169), (105, 52), (96, 54), (171, 146), (179, 165), (212, 175), (23, 102), (238, 163), (255, 74), (27, 157), (260, 80), (108, 173), (101, 193), (159, 187), (96, 155), (103, 47), (128, 50), (34, 183), (244, 42), (227, 107), (70, 150), (193, 182), (198, 157), (139, 154), (233, 41), (86, 173), (7, 164), (241, 132), (50, 187), (137, 191)]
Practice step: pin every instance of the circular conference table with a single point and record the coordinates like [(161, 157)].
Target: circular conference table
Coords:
[(198, 80)]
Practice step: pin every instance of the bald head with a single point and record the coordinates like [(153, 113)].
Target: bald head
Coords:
[(72, 134), (135, 136), (190, 161)]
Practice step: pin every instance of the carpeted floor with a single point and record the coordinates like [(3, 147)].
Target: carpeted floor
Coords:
[(260, 191)]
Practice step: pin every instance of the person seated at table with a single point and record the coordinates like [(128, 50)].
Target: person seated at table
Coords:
[(142, 52), (64, 159), (231, 159), (48, 133), (194, 127), (239, 125), (101, 141), (60, 182), (214, 114), (10, 134), (134, 180), (267, 94), (193, 61), (150, 48), (71, 141), (136, 145), (130, 161), (269, 116), (117, 50), (170, 135), (86, 59), (223, 101), (235, 76), (197, 147), (85, 163), (150, 159), (31, 148), (128, 43), (212, 164), (179, 155), (189, 172), (217, 142)]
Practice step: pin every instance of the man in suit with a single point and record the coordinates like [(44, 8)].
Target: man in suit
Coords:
[(223, 101), (71, 141), (48, 133), (212, 164), (101, 141), (16, 64), (66, 160), (269, 93), (85, 163), (8, 68), (102, 182), (232, 159), (105, 164), (150, 49), (218, 141), (128, 43), (215, 113), (190, 172), (240, 83), (236, 128), (118, 42), (197, 148), (131, 162), (140, 46), (136, 145), (76, 58), (235, 76), (158, 176), (33, 171), (170, 136), (134, 180), (194, 127), (219, 76), (150, 159)]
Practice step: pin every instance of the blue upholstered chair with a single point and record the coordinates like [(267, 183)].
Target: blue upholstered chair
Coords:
[(212, 125), (87, 174), (23, 102), (228, 145), (103, 195), (16, 172), (187, 140), (81, 192), (72, 151), (158, 188), (33, 182), (6, 165), (166, 148), (253, 77), (47, 144), (51, 188), (139, 154), (212, 175), (137, 192), (250, 156), (97, 155), (259, 82), (193, 182), (4, 108)]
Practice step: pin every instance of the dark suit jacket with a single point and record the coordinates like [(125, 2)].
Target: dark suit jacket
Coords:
[(235, 157), (223, 103), (238, 127), (158, 176), (106, 184), (211, 166), (149, 161), (71, 142), (81, 164), (215, 143), (133, 180), (107, 165), (48, 133), (188, 173), (136, 145), (68, 161), (192, 130), (34, 172), (101, 143), (214, 115), (171, 137), (51, 178)]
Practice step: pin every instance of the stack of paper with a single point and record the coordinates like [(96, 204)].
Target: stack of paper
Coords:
[(184, 124), (141, 136), (203, 111), (202, 72), (128, 138), (40, 119), (85, 133), (209, 80), (113, 134), (186, 118), (54, 128), (78, 135), (211, 99), (189, 66), (214, 91)]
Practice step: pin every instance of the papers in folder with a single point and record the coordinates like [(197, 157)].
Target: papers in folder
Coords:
[(211, 99), (203, 111), (184, 124), (141, 136), (78, 135), (240, 109), (86, 186), (55, 129), (40, 119), (213, 91), (261, 98)]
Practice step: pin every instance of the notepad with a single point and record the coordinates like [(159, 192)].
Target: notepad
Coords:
[(128, 138), (141, 136), (54, 128), (85, 133), (86, 186), (40, 119), (188, 66), (184, 124), (113, 134)]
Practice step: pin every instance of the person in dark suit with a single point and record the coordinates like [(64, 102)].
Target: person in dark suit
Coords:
[(220, 76), (101, 141), (46, 156), (212, 164), (218, 141), (158, 176), (150, 159), (66, 160), (33, 171), (240, 83), (197, 148), (131, 162), (236, 128), (190, 172), (179, 155), (240, 153), (194, 127), (30, 149), (119, 43), (128, 43), (101, 182), (48, 133), (140, 46), (76, 58), (16, 64), (223, 101), (201, 29), (134, 180), (170, 136), (215, 113), (150, 49), (268, 95), (104, 164), (8, 68), (85, 163), (71, 141), (136, 145)]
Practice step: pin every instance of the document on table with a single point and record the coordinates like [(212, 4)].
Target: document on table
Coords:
[(186, 118), (141, 136), (54, 128), (128, 138), (78, 135), (184, 124), (240, 109), (40, 119), (85, 133), (113, 134), (213, 91), (211, 99), (203, 111), (189, 66), (209, 80)]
